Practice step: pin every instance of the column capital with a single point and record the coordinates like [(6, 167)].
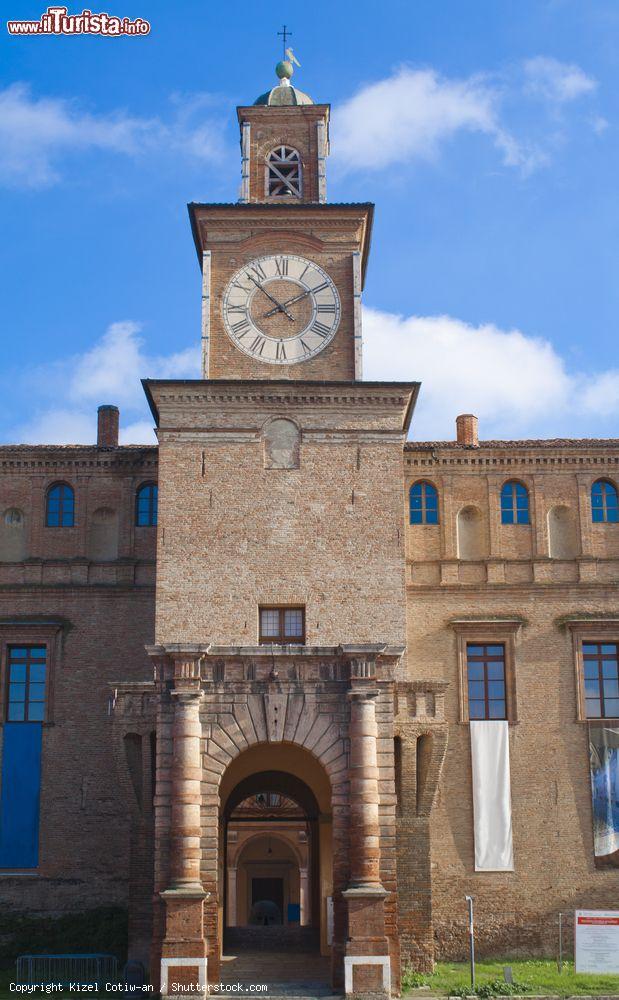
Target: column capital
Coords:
[(186, 693), (362, 689), (192, 890)]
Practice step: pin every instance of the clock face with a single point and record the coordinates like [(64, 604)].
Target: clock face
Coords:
[(281, 309)]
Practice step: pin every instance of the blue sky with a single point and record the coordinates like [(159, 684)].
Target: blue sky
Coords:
[(486, 131)]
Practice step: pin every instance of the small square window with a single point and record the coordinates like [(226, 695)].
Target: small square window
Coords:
[(282, 625)]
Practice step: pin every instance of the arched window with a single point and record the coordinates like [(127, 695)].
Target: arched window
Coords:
[(604, 502), (60, 506), (514, 503), (283, 172), (423, 499), (146, 505)]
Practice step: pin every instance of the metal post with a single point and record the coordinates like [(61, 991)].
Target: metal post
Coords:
[(560, 962), (469, 900)]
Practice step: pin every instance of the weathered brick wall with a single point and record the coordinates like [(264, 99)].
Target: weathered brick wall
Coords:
[(554, 866), (101, 615), (235, 535), (330, 535)]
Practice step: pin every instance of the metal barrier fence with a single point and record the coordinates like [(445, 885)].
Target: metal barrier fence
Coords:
[(90, 969)]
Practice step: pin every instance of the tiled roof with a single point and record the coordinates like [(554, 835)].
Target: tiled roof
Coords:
[(525, 443)]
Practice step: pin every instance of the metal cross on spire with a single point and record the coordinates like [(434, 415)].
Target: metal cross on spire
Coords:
[(285, 34)]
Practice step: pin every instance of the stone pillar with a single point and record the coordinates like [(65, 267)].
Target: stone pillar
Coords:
[(183, 959), (232, 918), (366, 962), (304, 897)]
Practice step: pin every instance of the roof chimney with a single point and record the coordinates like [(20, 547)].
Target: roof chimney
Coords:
[(466, 430), (107, 426)]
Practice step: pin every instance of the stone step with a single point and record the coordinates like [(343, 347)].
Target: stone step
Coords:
[(285, 974)]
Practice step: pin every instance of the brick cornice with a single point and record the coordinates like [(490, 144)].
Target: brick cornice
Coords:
[(243, 396), (42, 457)]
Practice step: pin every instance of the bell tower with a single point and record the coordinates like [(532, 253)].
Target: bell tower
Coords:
[(284, 145), (282, 269), (281, 573)]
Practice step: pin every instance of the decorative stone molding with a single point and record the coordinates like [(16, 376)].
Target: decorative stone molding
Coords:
[(582, 629), (504, 631)]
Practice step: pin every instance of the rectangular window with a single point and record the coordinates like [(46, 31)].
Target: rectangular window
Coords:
[(600, 665), (282, 625), (486, 681), (26, 676)]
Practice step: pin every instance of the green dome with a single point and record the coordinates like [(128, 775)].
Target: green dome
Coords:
[(284, 95)]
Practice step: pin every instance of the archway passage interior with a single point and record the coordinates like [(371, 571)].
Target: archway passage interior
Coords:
[(272, 863), (275, 870)]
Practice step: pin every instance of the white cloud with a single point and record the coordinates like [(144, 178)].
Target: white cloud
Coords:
[(555, 81), (516, 384), (410, 115), (599, 124), (37, 132), (413, 113), (109, 372), (601, 394)]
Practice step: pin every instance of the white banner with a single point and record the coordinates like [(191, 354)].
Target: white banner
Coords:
[(596, 944), (492, 805)]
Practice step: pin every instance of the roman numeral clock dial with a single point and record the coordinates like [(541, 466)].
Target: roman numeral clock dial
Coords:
[(281, 309)]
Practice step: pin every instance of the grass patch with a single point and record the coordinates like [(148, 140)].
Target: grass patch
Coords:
[(535, 976)]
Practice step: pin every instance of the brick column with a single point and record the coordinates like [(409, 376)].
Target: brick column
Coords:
[(366, 962), (183, 959), (364, 826)]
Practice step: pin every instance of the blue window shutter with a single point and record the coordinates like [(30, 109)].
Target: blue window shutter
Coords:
[(19, 798)]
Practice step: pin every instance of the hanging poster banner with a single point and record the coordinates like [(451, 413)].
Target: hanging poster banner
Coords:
[(596, 941), (604, 766), (492, 805)]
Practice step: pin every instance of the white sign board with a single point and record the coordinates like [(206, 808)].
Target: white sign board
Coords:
[(596, 941)]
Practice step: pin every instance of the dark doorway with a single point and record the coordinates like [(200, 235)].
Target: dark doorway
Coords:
[(267, 899)]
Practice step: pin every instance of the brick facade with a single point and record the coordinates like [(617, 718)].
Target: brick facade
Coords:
[(290, 487)]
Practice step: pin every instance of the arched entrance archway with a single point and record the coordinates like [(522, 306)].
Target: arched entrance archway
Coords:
[(275, 872)]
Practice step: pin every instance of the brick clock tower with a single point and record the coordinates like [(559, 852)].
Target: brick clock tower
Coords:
[(280, 623)]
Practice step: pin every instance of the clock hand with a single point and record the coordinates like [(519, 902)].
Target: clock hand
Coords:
[(279, 306), (297, 298)]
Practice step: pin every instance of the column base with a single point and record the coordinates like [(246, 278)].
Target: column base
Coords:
[(368, 987), (183, 951), (367, 963), (183, 975)]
